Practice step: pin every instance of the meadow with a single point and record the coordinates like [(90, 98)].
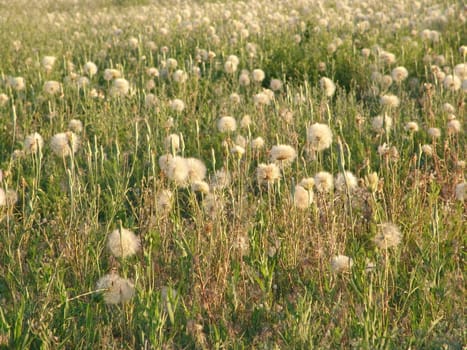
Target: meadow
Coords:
[(232, 174)]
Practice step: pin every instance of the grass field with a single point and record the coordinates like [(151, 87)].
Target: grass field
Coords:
[(238, 175)]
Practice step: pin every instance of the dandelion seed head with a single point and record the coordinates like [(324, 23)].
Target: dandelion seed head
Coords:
[(75, 125), (33, 143), (123, 243), (319, 136), (90, 68), (302, 197), (327, 86), (345, 181), (284, 154), (51, 87), (117, 289), (258, 75), (388, 235), (324, 182), (226, 124), (120, 87), (64, 144), (267, 173), (341, 263)]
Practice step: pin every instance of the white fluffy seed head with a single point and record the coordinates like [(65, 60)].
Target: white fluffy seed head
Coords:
[(65, 144), (302, 197), (346, 180), (341, 263), (123, 243), (33, 143), (388, 236), (319, 137), (117, 289), (324, 182), (226, 124)]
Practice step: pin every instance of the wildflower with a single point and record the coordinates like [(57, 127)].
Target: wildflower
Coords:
[(452, 82), (454, 126), (51, 87), (461, 190), (133, 43), (244, 78), (48, 62), (172, 63), (238, 150), (389, 100), (200, 186), (449, 108), (64, 144), (246, 121), (324, 182), (302, 197), (366, 52), (428, 150), (307, 183), (283, 154), (388, 236), (460, 70), (230, 67), (399, 74), (123, 243), (3, 99), (275, 84), (235, 98), (75, 125), (172, 143), (267, 173), (380, 123), (261, 98), (90, 68), (177, 105), (164, 201), (110, 74), (434, 132), (387, 57), (196, 169), (411, 127), (226, 124), (33, 143), (319, 136), (120, 87), (152, 72), (180, 76), (117, 289), (258, 75), (17, 83), (341, 263), (328, 86), (346, 180), (257, 143), (175, 168)]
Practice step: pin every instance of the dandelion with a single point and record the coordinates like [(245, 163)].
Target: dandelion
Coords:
[(307, 183), (120, 87), (150, 100), (366, 52), (230, 67), (387, 57), (284, 154), (275, 84), (427, 150), (33, 143), (83, 82), (164, 201), (226, 124), (399, 74), (180, 76), (117, 289), (175, 168), (319, 136), (221, 179), (90, 68), (238, 151), (381, 124), (324, 182), (212, 205), (133, 43), (434, 133), (177, 105), (389, 100), (51, 87), (461, 190), (258, 75), (196, 170), (452, 82), (3, 99), (261, 99), (110, 74), (123, 243), (411, 127), (449, 108), (245, 122), (460, 70), (341, 263), (17, 83), (172, 143), (454, 126), (257, 143), (388, 236), (152, 72), (302, 197), (328, 86), (75, 125), (383, 150), (235, 98), (244, 78), (48, 62), (200, 186), (267, 173), (64, 144), (346, 180), (240, 141)]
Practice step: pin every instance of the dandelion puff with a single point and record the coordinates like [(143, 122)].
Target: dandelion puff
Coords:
[(164, 201), (302, 197), (399, 74), (319, 137), (307, 183), (3, 99), (284, 154), (177, 105), (117, 289), (434, 133), (177, 170), (267, 173), (33, 143), (327, 86), (461, 190), (454, 127), (221, 179), (275, 84), (427, 150), (90, 68), (48, 62), (180, 76), (238, 151), (460, 70), (411, 127), (123, 243), (452, 82), (110, 74), (244, 78), (17, 83), (324, 182), (389, 100), (346, 180), (172, 143), (381, 123), (226, 124), (75, 125), (258, 75), (200, 186), (212, 205), (257, 143), (388, 236), (65, 144), (341, 263), (52, 87), (246, 121), (120, 87), (196, 169)]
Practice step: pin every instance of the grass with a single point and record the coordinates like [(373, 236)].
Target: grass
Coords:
[(241, 266)]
